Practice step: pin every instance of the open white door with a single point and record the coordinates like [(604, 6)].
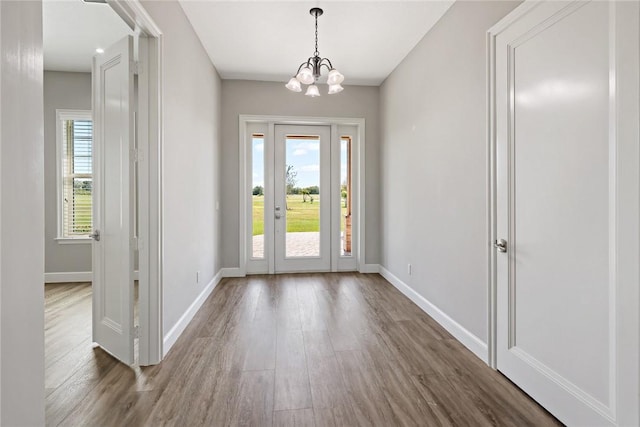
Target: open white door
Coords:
[(113, 143)]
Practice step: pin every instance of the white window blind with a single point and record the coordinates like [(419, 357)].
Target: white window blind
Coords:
[(76, 169)]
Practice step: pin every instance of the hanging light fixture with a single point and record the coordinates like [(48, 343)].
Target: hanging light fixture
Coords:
[(309, 72)]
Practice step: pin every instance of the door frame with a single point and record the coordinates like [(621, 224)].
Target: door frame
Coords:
[(358, 177), (150, 205), (624, 117)]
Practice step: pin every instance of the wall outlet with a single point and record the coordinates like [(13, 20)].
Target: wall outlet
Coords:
[(409, 269), (197, 277)]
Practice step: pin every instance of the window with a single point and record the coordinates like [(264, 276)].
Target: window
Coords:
[(75, 174)]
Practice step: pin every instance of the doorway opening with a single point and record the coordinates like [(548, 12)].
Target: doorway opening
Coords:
[(72, 186)]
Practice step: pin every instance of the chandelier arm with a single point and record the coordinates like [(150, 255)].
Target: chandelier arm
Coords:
[(302, 65), (330, 66)]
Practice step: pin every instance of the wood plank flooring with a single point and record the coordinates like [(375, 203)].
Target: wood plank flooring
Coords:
[(337, 349)]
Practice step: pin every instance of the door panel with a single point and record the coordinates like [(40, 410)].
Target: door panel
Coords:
[(302, 221), (556, 188), (113, 205)]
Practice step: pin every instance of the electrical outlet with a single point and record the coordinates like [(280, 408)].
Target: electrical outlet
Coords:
[(197, 277), (409, 269)]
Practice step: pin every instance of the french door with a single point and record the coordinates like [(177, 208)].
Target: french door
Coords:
[(301, 198)]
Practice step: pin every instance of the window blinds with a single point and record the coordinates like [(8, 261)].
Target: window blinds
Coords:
[(77, 177)]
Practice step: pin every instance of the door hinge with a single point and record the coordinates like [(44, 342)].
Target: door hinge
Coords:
[(136, 67), (135, 243), (136, 331), (137, 155)]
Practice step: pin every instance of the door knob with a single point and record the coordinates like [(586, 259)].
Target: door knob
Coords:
[(501, 245), (95, 235)]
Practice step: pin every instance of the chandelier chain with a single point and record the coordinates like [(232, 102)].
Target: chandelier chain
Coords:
[(316, 53)]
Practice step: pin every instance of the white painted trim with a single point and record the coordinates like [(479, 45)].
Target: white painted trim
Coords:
[(73, 240), (491, 199), (245, 119), (232, 272), (68, 277), (469, 340), (370, 268), (182, 323), (1, 147), (74, 277)]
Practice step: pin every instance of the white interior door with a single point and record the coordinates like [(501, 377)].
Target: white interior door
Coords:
[(302, 221), (113, 253), (563, 186)]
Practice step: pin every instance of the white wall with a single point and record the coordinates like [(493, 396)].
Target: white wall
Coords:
[(71, 91), (267, 98), (191, 144), (21, 215), (434, 171)]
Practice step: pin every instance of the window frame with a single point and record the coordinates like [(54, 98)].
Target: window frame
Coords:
[(62, 115)]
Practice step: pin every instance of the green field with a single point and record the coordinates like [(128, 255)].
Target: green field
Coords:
[(83, 215), (301, 216)]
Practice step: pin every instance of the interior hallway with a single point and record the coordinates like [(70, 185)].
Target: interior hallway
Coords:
[(340, 349)]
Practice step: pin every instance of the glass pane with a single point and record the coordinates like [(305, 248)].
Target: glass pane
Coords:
[(302, 175), (257, 196), (345, 196), (77, 181), (82, 146), (81, 207)]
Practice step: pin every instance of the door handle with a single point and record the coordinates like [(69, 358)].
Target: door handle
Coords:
[(95, 235), (278, 215), (500, 245)]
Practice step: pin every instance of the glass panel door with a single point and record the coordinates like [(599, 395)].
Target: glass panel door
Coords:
[(302, 198)]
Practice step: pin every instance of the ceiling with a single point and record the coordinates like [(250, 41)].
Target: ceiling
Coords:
[(267, 40), (259, 39), (72, 30)]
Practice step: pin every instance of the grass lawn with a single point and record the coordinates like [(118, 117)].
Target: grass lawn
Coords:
[(83, 216), (301, 216)]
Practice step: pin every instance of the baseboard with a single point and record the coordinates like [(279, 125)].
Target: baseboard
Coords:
[(68, 277), (469, 340), (232, 272), (370, 268), (74, 277), (172, 336)]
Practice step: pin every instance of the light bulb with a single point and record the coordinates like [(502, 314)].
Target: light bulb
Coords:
[(305, 76), (312, 91), (335, 89), (334, 77), (293, 85)]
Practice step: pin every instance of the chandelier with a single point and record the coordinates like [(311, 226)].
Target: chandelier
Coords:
[(310, 70)]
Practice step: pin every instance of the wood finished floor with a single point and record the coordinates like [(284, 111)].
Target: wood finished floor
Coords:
[(339, 349)]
